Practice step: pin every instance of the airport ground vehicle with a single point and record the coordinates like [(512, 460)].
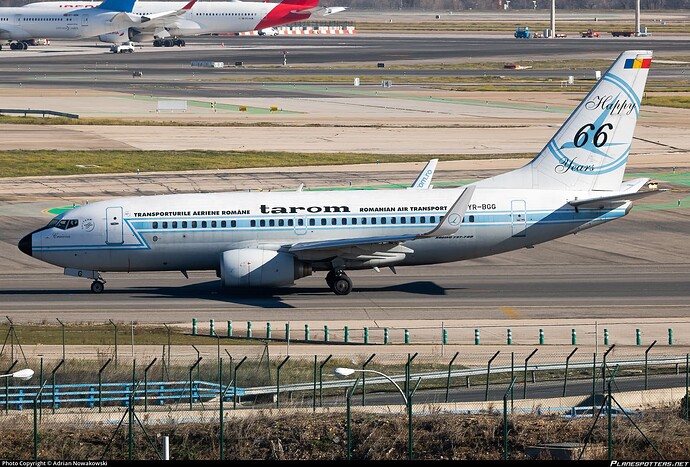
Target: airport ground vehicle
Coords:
[(125, 47), (623, 33), (522, 32), (589, 33)]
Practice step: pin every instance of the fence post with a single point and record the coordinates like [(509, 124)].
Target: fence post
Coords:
[(407, 336), (249, 329), (524, 388), (565, 379), (346, 333), (509, 339), (366, 335), (476, 337), (573, 337), (306, 332), (385, 335), (193, 327), (541, 336), (364, 366), (211, 328), (191, 388), (229, 328), (268, 330), (321, 379), (687, 385), (278, 380), (488, 373), (55, 401), (603, 369), (606, 336), (505, 418), (449, 370), (646, 352), (670, 336), (638, 337), (234, 383), (146, 384)]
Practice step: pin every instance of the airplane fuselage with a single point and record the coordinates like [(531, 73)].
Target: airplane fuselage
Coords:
[(191, 231)]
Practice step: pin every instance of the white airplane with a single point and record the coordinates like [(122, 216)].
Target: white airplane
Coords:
[(165, 22), (270, 239), (18, 25)]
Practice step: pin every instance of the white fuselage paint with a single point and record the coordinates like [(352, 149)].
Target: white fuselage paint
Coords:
[(191, 231)]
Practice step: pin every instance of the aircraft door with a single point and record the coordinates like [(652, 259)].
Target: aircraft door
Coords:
[(84, 20), (18, 20), (300, 225), (114, 228), (518, 217)]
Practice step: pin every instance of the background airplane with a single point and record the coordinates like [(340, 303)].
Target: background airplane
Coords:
[(270, 239), (165, 23), (18, 25)]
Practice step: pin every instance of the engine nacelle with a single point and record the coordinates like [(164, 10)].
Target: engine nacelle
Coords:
[(252, 267), (115, 37)]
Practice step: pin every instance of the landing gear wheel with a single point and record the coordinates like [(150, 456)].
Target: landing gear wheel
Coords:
[(97, 287), (342, 285)]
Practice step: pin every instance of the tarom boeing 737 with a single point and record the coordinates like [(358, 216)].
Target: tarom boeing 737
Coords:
[(165, 23), (20, 24), (270, 239)]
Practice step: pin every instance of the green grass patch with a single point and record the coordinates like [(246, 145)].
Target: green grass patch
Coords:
[(680, 102), (21, 163)]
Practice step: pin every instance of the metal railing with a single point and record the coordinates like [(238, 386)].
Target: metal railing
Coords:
[(38, 112)]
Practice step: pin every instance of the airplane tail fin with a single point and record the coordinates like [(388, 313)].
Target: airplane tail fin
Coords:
[(117, 5), (590, 150), (302, 3)]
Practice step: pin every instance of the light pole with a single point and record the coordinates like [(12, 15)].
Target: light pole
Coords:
[(341, 372), (24, 374)]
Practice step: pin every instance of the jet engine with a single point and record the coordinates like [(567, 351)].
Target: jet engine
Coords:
[(125, 35), (253, 267)]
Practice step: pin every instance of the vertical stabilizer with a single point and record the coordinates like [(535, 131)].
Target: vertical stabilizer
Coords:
[(117, 5), (590, 150)]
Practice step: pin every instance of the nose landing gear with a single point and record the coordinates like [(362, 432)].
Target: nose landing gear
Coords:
[(338, 282)]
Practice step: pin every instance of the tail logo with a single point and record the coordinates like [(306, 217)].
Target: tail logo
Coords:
[(638, 63)]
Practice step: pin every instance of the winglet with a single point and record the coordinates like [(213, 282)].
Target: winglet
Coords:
[(450, 223), (423, 180)]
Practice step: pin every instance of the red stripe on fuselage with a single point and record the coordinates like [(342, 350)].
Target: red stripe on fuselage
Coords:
[(282, 13)]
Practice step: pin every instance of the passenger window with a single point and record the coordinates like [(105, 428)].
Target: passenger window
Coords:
[(343, 221), (403, 220), (392, 220), (323, 221), (194, 224), (214, 224), (432, 219), (174, 224), (422, 220), (291, 222), (334, 221), (165, 225), (413, 220), (154, 225), (472, 218), (272, 223), (233, 223), (223, 224), (311, 221), (364, 221), (262, 223), (281, 222), (383, 220), (203, 224), (373, 221), (184, 224), (253, 223), (354, 221), (300, 222)]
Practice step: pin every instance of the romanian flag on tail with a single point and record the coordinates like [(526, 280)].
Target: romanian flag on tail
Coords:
[(638, 63)]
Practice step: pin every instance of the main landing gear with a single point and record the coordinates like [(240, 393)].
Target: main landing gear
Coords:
[(338, 282), (98, 285)]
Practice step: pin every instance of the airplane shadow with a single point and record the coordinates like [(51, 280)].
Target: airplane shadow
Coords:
[(210, 290)]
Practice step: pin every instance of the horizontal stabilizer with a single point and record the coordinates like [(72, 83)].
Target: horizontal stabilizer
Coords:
[(612, 200)]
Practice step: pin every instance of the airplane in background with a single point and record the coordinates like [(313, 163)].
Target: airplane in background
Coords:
[(165, 23), (270, 239), (20, 25)]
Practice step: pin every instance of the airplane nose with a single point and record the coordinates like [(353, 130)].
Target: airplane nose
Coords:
[(25, 245)]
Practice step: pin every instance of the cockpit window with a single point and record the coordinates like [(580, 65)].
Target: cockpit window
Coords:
[(64, 224)]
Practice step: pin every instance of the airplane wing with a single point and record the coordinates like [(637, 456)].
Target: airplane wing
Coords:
[(169, 14), (384, 245), (169, 18), (423, 180), (326, 11)]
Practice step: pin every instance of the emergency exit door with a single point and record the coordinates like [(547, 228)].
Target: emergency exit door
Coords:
[(114, 228)]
